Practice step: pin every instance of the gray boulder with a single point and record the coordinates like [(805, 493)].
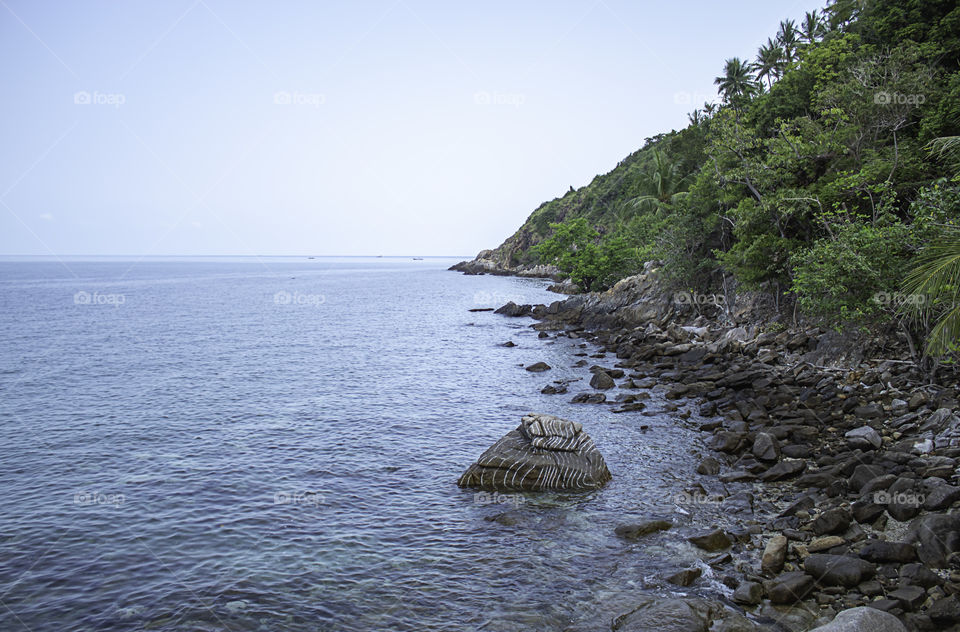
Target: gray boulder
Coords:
[(863, 619), (544, 452)]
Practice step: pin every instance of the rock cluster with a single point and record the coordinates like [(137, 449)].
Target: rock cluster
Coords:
[(854, 461)]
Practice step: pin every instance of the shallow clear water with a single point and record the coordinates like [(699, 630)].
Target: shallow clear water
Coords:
[(244, 444)]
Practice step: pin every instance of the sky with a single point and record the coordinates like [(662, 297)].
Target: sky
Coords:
[(401, 127)]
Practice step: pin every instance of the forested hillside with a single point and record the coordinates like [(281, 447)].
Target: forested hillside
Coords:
[(826, 167)]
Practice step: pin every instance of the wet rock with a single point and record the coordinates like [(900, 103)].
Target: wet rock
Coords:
[(666, 615), (589, 398), (711, 541), (551, 389), (787, 468), (505, 518), (838, 570), (637, 531), (881, 551), (685, 577), (508, 344), (862, 619), (544, 452), (601, 380), (863, 438), (538, 367), (831, 521), (709, 467), (748, 593), (766, 447), (512, 309), (726, 441), (789, 588)]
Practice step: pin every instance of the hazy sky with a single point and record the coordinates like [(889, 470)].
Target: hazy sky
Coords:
[(288, 127)]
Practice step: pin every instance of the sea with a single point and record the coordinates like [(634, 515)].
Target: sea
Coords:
[(273, 443)]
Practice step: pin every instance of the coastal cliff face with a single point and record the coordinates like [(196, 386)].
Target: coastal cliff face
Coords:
[(497, 262)]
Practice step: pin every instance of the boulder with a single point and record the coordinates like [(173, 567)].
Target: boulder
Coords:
[(544, 452), (601, 380), (685, 577), (831, 521), (774, 554), (538, 367), (789, 587), (937, 537), (838, 570), (864, 438), (881, 551), (862, 619), (666, 615), (766, 447), (748, 594), (512, 309), (711, 541)]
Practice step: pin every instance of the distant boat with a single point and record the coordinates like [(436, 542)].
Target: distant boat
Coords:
[(311, 257), (418, 258)]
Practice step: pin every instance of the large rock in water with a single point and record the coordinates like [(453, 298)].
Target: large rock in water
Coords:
[(544, 452)]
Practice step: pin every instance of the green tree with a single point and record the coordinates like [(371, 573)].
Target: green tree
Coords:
[(737, 81)]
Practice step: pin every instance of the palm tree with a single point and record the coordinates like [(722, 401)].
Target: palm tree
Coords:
[(812, 28), (695, 117), (937, 278), (737, 81), (662, 184), (937, 275), (769, 60), (787, 39)]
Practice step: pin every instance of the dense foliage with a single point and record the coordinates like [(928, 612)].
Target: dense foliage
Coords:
[(816, 176)]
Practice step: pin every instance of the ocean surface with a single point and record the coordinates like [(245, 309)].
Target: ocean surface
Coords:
[(274, 443)]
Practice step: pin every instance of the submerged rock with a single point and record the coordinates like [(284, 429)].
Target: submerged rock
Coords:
[(544, 452), (637, 531)]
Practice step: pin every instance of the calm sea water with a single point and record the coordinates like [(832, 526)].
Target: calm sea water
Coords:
[(273, 444)]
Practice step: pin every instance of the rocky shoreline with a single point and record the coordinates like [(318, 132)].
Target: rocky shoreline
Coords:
[(853, 460)]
